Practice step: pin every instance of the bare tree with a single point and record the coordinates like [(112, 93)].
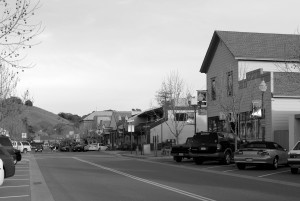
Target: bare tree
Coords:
[(17, 31), (173, 94)]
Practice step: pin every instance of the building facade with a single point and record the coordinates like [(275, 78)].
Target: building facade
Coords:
[(236, 64)]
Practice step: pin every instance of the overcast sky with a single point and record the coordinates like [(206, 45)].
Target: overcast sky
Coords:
[(114, 54)]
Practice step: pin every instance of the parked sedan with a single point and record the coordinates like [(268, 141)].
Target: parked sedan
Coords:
[(95, 147), (8, 162), (78, 147), (294, 158), (261, 153)]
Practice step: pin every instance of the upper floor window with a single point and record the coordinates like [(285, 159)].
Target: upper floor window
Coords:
[(181, 116), (229, 84), (213, 88)]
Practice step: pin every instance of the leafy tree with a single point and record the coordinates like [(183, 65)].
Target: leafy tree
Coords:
[(29, 103)]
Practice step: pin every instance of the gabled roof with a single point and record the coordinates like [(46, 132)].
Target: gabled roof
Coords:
[(254, 46), (97, 113)]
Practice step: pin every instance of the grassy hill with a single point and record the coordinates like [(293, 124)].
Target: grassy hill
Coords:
[(37, 116), (37, 120)]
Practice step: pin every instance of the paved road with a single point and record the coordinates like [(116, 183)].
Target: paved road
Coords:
[(106, 176), (100, 176)]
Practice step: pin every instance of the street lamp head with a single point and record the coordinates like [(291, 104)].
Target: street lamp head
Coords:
[(262, 86)]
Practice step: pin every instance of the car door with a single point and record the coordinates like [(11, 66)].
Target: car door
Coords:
[(282, 153)]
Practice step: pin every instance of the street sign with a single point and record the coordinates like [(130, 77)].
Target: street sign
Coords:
[(24, 135), (131, 128)]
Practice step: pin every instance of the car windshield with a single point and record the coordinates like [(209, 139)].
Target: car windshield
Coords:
[(297, 147), (5, 142), (260, 145), (207, 137)]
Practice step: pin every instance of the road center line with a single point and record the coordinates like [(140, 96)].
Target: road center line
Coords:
[(198, 197), (14, 186), (273, 173), (18, 196), (230, 170), (15, 179)]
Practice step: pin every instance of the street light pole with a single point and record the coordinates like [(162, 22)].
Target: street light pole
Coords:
[(263, 88)]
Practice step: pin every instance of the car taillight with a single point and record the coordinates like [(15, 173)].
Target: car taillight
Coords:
[(219, 147), (263, 153)]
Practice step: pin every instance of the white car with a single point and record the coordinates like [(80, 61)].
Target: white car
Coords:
[(95, 147), (294, 158), (23, 146)]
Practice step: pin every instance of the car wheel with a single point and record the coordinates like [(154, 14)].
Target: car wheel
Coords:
[(198, 160), (241, 166), (227, 158), (178, 159), (25, 151), (294, 170), (275, 163)]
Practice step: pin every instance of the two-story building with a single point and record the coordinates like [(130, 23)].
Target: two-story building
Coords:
[(253, 85)]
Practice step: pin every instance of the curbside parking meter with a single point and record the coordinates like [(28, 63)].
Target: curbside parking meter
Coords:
[(1, 172)]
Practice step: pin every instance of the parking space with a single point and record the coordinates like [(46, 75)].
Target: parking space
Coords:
[(17, 188), (282, 174)]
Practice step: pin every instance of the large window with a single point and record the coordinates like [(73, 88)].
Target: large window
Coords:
[(213, 88), (229, 84), (181, 116)]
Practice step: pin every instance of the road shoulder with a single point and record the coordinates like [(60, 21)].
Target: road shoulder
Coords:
[(38, 187)]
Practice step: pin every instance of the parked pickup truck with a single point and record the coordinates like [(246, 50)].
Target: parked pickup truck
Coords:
[(182, 150)]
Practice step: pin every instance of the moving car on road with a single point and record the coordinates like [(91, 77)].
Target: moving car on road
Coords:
[(294, 158), (218, 146), (261, 153)]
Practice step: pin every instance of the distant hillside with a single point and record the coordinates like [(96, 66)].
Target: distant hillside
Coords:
[(36, 116)]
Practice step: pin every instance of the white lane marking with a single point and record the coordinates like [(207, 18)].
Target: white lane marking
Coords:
[(273, 173), (14, 186), (22, 167), (18, 196), (210, 167), (176, 190), (15, 179), (230, 170), (21, 175)]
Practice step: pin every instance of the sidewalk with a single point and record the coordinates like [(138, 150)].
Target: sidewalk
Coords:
[(137, 154)]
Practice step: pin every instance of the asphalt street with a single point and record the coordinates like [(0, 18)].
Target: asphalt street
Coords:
[(110, 176)]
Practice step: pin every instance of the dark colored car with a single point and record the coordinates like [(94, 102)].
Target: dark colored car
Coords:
[(78, 147), (18, 155), (182, 151), (65, 148), (218, 146), (8, 162), (37, 146), (6, 143)]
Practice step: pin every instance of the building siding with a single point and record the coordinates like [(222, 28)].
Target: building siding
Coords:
[(222, 63), (282, 108)]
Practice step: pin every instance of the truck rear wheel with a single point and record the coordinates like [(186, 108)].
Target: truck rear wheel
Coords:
[(198, 160), (178, 159)]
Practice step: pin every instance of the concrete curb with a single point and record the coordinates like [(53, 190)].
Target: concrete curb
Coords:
[(38, 187)]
